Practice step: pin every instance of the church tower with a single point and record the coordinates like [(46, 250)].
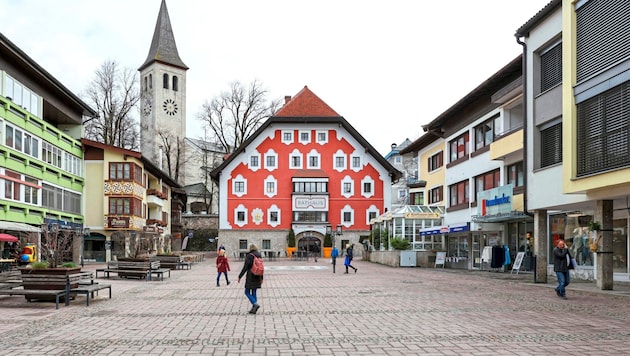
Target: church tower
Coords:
[(163, 92)]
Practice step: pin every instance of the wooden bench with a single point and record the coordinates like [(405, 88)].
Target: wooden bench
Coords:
[(67, 287), (171, 262), (10, 279), (159, 273), (184, 265), (134, 269)]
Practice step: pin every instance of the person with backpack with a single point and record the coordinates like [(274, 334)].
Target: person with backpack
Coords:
[(254, 278)]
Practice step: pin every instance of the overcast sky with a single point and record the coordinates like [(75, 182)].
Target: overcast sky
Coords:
[(387, 67)]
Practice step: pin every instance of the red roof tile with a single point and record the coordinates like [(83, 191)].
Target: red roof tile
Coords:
[(306, 104)]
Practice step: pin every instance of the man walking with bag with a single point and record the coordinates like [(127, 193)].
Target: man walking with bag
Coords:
[(562, 265)]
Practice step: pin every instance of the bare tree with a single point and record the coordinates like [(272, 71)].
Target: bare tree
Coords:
[(173, 149), (234, 115), (115, 95)]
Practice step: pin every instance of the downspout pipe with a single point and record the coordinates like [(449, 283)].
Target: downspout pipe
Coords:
[(525, 121), (525, 136)]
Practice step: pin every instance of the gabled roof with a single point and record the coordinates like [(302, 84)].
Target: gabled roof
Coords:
[(163, 47), (523, 31), (305, 104), (11, 53), (299, 113), (148, 165)]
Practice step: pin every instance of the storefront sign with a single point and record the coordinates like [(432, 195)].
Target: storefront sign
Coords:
[(450, 229), (310, 202), (495, 201), (419, 216), (118, 222)]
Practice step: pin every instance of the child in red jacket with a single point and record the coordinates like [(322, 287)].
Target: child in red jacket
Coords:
[(223, 266)]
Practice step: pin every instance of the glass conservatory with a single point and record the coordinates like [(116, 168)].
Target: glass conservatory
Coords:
[(406, 222)]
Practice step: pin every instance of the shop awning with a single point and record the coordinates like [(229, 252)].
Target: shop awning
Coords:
[(8, 238), (16, 226)]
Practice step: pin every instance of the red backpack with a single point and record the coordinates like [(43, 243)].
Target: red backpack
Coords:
[(258, 268)]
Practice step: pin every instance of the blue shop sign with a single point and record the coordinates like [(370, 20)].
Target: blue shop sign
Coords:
[(450, 229)]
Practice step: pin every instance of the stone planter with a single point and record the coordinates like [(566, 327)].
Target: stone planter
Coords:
[(290, 251), (47, 279)]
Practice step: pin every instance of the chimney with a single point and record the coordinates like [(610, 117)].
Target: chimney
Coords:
[(287, 98), (394, 146)]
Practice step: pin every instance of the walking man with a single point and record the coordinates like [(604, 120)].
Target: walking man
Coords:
[(348, 261), (561, 262)]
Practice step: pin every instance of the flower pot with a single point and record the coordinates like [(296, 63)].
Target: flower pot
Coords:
[(290, 251)]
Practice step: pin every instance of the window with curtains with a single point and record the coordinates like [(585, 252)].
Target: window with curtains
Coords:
[(484, 133), (458, 194), (436, 195), (458, 148), (487, 181), (436, 161), (514, 174)]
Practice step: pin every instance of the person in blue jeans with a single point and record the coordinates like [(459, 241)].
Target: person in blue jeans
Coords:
[(561, 262), (333, 257), (252, 281)]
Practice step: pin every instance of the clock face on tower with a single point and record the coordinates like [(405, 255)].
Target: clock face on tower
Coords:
[(170, 107), (146, 107)]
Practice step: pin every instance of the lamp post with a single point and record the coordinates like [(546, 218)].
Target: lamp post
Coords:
[(85, 232), (338, 232)]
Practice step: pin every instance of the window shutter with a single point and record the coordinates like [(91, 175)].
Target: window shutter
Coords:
[(551, 145), (603, 30)]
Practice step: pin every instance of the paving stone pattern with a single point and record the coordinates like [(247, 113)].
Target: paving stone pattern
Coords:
[(308, 310)]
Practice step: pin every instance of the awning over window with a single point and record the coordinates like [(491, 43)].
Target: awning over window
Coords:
[(16, 226)]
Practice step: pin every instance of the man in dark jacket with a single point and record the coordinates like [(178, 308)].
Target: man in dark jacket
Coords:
[(561, 261), (252, 281)]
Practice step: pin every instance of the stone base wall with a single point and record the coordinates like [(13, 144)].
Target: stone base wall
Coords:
[(392, 258)]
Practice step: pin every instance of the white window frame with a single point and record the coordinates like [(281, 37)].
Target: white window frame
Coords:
[(271, 153), (369, 180), (313, 154), (271, 180), (347, 209), (249, 164), (239, 179), (240, 208), (273, 209), (340, 154), (344, 181), (302, 140), (371, 209), (324, 140), (284, 140), (294, 154), (353, 158)]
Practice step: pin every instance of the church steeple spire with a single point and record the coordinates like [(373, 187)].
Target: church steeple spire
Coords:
[(163, 47)]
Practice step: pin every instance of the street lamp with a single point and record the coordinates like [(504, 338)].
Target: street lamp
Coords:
[(338, 232)]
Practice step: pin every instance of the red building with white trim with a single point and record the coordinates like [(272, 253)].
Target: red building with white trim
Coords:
[(304, 169)]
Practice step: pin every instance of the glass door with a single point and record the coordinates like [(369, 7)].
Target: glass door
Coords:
[(478, 243)]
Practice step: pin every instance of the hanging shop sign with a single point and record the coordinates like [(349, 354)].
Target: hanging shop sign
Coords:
[(114, 222), (495, 201), (449, 229)]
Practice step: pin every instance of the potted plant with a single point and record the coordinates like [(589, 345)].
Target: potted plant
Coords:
[(327, 246), (291, 243), (594, 225)]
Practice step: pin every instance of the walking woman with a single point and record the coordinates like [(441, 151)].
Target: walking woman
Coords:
[(348, 261), (252, 281), (223, 266)]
